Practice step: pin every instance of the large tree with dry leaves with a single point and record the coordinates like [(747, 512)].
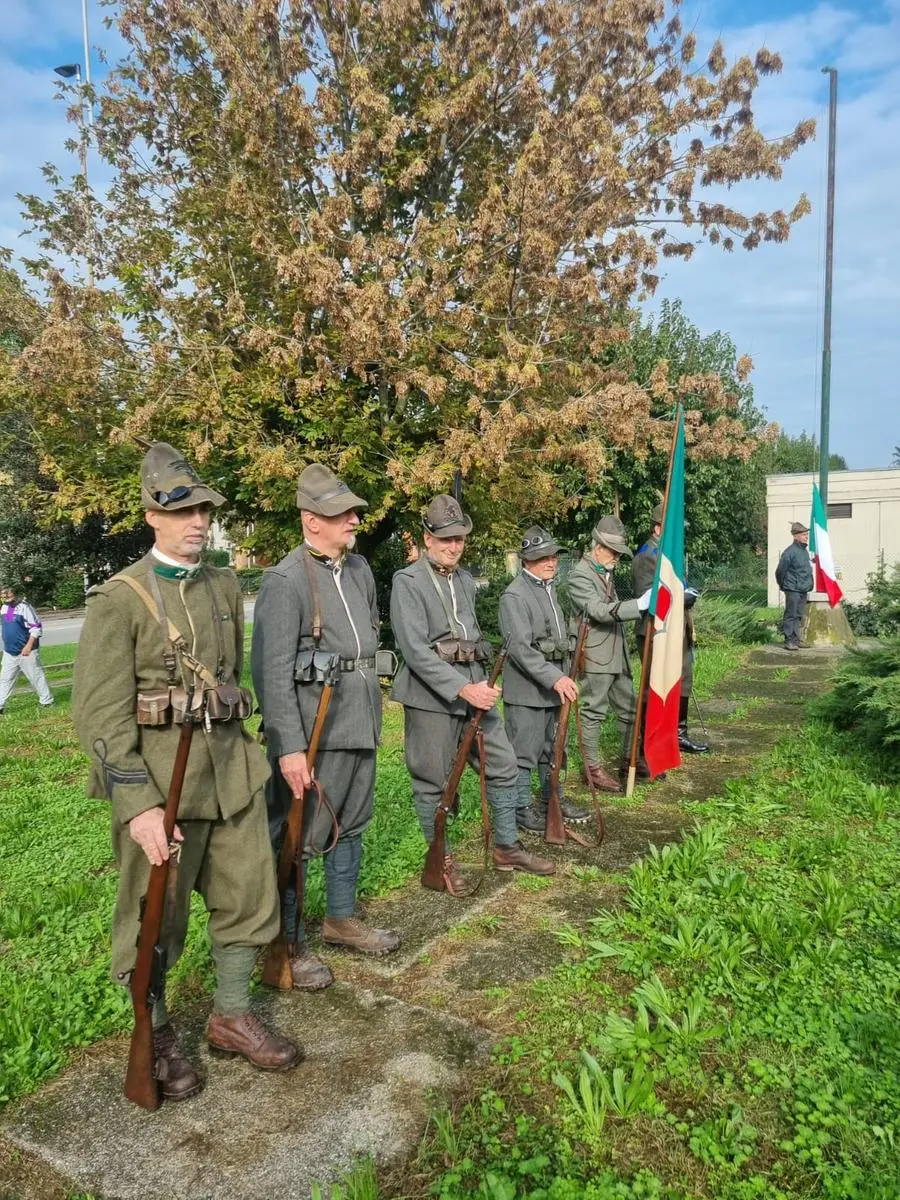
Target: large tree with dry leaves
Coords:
[(400, 237)]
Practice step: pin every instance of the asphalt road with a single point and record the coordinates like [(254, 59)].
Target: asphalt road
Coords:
[(60, 631)]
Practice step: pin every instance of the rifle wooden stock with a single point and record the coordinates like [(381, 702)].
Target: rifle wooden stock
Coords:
[(141, 1086), (276, 971), (433, 871)]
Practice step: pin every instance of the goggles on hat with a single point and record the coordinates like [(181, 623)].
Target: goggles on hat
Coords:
[(176, 494), (538, 540), (432, 528)]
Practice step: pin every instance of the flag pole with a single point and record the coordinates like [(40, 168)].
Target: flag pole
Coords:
[(648, 640)]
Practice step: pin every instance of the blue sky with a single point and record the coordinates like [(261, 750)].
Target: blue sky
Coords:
[(769, 301)]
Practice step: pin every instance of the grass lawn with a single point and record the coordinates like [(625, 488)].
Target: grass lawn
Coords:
[(727, 1027), (58, 880)]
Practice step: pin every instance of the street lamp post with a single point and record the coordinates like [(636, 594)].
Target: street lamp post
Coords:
[(73, 71)]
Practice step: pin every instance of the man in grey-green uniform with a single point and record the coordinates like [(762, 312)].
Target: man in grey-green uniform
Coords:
[(643, 570), (319, 603), (607, 666), (442, 681), (536, 678), (163, 630)]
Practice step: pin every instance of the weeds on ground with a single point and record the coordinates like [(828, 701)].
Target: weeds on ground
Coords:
[(730, 1032)]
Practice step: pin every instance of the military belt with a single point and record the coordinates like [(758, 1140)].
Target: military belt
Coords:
[(357, 664)]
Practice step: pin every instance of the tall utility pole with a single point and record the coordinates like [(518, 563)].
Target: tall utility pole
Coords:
[(87, 58), (831, 72)]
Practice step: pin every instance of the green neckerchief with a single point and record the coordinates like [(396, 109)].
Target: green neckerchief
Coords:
[(599, 567), (164, 571)]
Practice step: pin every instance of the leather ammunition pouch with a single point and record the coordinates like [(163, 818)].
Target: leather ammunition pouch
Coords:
[(313, 666), (167, 706), (463, 650), (553, 649)]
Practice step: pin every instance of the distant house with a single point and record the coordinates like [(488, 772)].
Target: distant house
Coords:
[(863, 522)]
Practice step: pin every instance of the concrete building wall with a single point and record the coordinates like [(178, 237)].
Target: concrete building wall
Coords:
[(859, 540)]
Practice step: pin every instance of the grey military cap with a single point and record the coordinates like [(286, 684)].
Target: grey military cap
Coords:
[(320, 491), (799, 527), (610, 532), (169, 482), (537, 543), (444, 518)]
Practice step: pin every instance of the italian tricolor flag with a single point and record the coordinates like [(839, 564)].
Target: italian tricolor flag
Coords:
[(820, 550), (667, 609)]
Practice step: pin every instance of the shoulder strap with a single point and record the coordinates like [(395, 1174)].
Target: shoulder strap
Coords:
[(171, 635), (451, 620), (314, 590)]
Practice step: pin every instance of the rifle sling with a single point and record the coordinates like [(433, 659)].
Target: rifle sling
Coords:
[(172, 637)]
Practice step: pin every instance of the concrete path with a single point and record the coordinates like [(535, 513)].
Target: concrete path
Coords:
[(395, 1032)]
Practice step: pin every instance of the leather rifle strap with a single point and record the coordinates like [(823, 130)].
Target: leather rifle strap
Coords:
[(314, 591), (171, 633)]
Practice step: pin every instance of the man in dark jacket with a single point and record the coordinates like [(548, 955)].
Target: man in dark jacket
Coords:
[(794, 575)]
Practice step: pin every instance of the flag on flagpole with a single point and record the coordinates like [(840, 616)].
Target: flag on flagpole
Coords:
[(667, 610), (820, 549)]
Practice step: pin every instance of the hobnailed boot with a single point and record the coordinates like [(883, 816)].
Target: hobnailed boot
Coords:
[(685, 742), (517, 858), (309, 973), (529, 820), (574, 814), (351, 934), (244, 1034), (176, 1077)]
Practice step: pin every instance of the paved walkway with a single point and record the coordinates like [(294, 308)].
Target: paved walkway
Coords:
[(393, 1032)]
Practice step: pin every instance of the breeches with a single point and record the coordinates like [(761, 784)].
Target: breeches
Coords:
[(228, 861), (598, 694), (532, 732), (347, 777), (430, 743)]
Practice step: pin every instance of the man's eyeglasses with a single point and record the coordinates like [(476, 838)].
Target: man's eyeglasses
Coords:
[(176, 494)]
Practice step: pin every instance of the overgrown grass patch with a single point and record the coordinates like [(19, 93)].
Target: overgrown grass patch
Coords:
[(730, 1031)]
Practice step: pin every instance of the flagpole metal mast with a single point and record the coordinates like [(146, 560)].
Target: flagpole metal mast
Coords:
[(648, 639), (832, 74)]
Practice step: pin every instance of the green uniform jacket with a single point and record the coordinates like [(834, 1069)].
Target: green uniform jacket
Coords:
[(529, 613), (419, 619), (643, 570), (120, 654), (794, 572), (594, 595), (283, 627)]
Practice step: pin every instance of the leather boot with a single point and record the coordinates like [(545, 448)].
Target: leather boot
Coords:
[(517, 858), (528, 820), (602, 781), (309, 973), (352, 934), (243, 1033), (685, 742), (177, 1078), (642, 771)]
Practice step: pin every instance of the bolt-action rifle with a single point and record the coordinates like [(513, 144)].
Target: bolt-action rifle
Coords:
[(148, 979), (556, 831), (277, 967), (433, 871)]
